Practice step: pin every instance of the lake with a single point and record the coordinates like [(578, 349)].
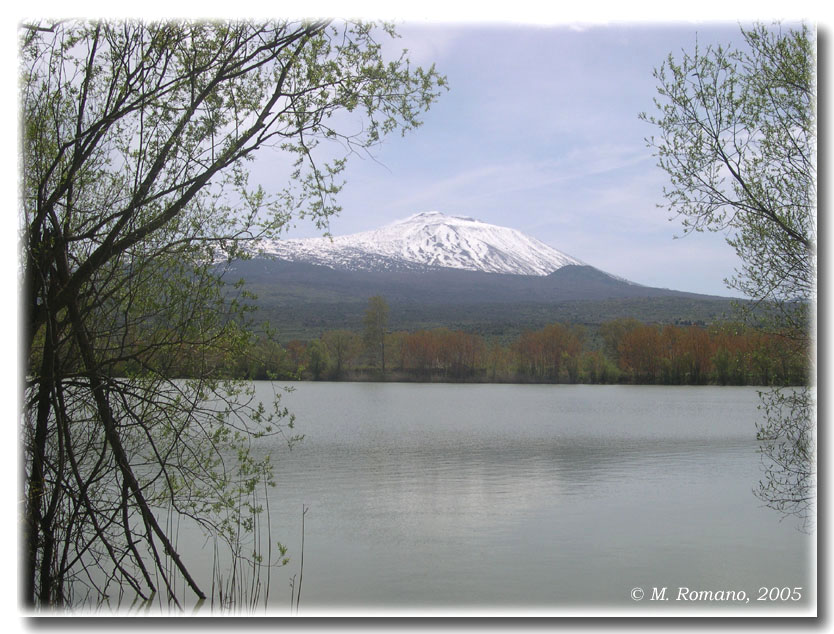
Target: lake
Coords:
[(529, 499)]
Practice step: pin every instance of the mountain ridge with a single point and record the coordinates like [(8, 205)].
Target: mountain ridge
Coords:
[(428, 241), (302, 299), (305, 290)]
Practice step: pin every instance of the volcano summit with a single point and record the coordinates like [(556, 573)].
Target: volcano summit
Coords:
[(439, 270), (428, 241)]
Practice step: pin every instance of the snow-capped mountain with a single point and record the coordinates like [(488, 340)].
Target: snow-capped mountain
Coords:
[(440, 270), (429, 240)]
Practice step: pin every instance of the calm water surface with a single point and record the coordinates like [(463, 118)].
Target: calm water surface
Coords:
[(551, 497)]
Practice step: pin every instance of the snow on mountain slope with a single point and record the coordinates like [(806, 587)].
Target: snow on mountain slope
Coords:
[(428, 240)]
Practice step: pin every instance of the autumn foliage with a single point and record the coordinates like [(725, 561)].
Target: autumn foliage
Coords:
[(621, 351)]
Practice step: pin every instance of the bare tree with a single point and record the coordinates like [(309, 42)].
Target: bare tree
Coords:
[(135, 143), (737, 136)]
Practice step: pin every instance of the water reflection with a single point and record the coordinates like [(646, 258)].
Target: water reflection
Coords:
[(527, 495), (432, 496)]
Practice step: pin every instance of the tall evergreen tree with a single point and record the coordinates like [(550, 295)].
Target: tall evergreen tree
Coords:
[(375, 322)]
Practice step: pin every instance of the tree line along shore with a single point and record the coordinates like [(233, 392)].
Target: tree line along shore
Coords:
[(619, 351)]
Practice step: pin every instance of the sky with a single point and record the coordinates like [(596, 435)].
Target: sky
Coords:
[(539, 131)]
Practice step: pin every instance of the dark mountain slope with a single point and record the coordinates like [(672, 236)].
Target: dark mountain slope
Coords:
[(302, 299), (307, 282)]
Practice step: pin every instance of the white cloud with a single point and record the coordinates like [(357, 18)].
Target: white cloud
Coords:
[(515, 177)]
